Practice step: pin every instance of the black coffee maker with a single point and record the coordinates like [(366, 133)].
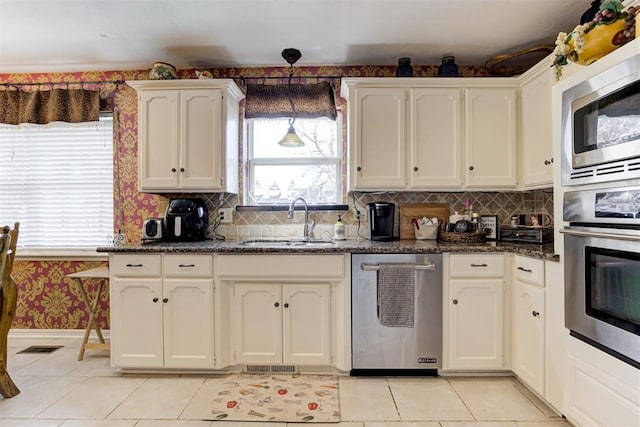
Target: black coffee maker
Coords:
[(186, 220), (381, 216)]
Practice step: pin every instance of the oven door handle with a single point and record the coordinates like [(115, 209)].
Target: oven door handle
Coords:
[(615, 236)]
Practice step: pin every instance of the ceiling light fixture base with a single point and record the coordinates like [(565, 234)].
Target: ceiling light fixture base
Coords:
[(291, 55)]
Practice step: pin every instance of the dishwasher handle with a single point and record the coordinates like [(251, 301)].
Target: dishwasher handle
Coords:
[(376, 267)]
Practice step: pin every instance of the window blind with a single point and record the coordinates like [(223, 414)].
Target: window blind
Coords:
[(57, 181)]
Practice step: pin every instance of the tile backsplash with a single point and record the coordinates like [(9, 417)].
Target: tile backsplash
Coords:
[(275, 224)]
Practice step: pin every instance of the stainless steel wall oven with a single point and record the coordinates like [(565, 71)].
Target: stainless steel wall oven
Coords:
[(602, 269)]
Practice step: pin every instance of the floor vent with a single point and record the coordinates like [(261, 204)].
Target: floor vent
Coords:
[(271, 369), (40, 349)]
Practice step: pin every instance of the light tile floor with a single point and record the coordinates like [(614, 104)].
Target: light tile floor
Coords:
[(58, 390)]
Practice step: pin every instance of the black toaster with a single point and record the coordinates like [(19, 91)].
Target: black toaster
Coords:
[(153, 229)]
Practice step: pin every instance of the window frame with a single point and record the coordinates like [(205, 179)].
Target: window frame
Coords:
[(61, 251), (251, 162)]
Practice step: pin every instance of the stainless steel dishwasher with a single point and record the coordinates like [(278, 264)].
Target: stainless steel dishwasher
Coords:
[(379, 349)]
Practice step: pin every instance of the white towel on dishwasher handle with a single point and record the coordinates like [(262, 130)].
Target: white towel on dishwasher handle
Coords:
[(396, 295)]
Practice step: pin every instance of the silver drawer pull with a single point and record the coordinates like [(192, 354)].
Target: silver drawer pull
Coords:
[(134, 265), (526, 270), (186, 265), (374, 267), (479, 265)]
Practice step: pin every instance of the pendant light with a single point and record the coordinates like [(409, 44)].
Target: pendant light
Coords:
[(291, 139)]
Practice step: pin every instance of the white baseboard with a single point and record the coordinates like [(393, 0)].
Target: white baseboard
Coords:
[(54, 334)]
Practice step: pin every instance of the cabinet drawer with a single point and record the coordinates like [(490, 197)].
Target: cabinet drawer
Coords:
[(476, 266), (132, 265), (529, 270), (188, 265)]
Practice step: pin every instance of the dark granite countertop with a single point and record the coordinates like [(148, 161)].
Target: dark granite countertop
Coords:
[(543, 252)]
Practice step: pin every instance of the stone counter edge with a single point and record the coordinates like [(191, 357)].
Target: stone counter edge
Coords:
[(543, 252)]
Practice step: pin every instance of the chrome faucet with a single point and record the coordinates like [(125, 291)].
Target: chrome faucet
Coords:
[(308, 228)]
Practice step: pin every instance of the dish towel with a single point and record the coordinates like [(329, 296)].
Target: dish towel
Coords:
[(396, 295)]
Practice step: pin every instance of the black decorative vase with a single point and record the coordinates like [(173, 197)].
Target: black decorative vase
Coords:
[(404, 68), (448, 68)]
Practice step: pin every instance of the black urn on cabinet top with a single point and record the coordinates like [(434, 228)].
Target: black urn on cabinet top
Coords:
[(448, 68), (404, 68)]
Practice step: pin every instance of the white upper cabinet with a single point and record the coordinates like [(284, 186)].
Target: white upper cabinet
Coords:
[(188, 135), (379, 134), (536, 126), (419, 134), (435, 138), (490, 137)]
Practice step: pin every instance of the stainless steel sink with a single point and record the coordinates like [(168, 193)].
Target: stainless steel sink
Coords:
[(283, 243)]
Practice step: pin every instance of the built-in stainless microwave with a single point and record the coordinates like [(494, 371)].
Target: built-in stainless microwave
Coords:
[(601, 126)]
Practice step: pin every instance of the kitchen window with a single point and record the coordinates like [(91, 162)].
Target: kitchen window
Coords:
[(57, 181), (276, 175)]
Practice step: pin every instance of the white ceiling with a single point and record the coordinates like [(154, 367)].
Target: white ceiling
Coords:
[(101, 35)]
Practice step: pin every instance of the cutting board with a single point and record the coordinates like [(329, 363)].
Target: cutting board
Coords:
[(419, 210)]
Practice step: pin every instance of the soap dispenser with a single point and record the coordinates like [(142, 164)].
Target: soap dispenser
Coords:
[(338, 230)]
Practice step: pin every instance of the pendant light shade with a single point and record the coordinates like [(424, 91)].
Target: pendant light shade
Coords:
[(291, 138)]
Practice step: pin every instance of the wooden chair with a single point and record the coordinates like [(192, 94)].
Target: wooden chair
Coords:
[(8, 297)]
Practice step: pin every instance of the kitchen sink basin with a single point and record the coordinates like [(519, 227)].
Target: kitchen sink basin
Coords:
[(284, 243)]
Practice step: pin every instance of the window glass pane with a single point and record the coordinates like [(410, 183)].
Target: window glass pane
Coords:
[(281, 184), (319, 136), (57, 181), (277, 175)]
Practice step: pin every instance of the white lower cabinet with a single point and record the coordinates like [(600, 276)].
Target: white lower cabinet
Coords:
[(601, 391), (528, 334), (285, 310), (474, 313), (539, 337), (161, 311), (282, 323)]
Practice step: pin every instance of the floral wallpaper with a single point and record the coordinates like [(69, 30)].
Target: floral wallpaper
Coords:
[(47, 299)]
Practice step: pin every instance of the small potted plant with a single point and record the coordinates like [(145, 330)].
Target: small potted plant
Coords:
[(611, 27)]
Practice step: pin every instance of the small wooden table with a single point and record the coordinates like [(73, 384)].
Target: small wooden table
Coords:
[(102, 274)]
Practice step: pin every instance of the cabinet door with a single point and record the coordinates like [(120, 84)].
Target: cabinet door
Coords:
[(435, 138), (158, 124), (258, 323), (537, 150), (136, 323), (378, 136), (490, 137), (306, 324), (476, 313), (188, 323), (528, 361), (200, 139)]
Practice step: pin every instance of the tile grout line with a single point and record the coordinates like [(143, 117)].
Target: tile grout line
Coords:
[(462, 400), (393, 398)]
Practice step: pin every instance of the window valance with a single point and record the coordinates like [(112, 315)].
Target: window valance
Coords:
[(311, 101), (44, 106)]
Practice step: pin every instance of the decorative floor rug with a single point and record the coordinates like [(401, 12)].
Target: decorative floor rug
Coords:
[(277, 398)]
